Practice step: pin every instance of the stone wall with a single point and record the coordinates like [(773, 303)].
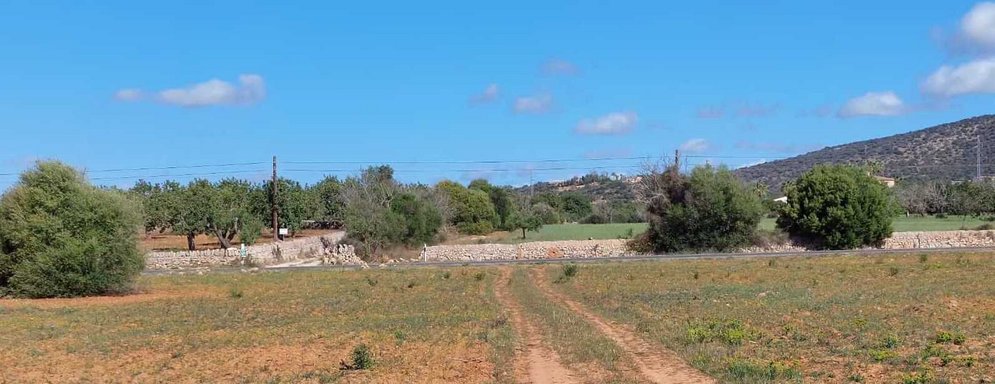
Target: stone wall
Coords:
[(615, 248), (526, 251), (262, 254)]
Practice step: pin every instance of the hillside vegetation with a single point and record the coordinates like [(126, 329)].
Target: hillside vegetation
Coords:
[(943, 152)]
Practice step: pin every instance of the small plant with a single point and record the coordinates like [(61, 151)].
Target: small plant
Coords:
[(893, 271), (235, 293), (772, 263), (880, 355), (923, 258), (944, 337), (362, 358), (412, 284), (890, 342), (921, 377), (400, 337), (371, 281), (479, 276), (446, 275), (855, 378), (570, 270), (696, 275)]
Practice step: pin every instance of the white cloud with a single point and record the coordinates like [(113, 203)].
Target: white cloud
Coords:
[(489, 94), (559, 67), (617, 123), (873, 104), (129, 94), (976, 76), (696, 146), (250, 89), (535, 104), (978, 25)]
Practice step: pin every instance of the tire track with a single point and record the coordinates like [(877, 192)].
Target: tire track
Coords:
[(535, 362), (655, 363)]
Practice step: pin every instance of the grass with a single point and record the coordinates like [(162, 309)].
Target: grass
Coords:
[(808, 319), (274, 327), (554, 232)]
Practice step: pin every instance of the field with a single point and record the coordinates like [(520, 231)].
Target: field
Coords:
[(874, 319), (554, 232)]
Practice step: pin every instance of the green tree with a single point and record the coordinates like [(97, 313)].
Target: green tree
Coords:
[(328, 192), (707, 210), (576, 206), (62, 237), (473, 212), (525, 221), (421, 220), (838, 207)]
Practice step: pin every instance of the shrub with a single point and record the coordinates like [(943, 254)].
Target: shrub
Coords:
[(252, 228), (570, 270), (838, 207), (62, 237), (362, 357), (707, 210)]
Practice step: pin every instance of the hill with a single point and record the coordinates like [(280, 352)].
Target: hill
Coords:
[(943, 152)]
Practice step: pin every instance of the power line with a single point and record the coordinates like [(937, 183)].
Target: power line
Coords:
[(177, 175)]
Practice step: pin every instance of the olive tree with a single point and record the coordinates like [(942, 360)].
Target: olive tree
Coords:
[(62, 237)]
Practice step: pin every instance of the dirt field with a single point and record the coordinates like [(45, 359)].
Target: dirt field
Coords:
[(840, 319), (164, 242)]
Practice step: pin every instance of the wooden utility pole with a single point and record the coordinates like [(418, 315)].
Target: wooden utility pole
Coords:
[(273, 204), (677, 159)]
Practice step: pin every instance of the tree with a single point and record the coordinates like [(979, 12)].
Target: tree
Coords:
[(526, 221), (576, 206), (838, 207), (62, 237), (421, 221), (707, 210), (473, 212), (328, 193)]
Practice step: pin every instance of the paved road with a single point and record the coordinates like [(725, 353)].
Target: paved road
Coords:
[(629, 258)]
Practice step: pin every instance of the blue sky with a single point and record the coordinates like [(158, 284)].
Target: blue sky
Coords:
[(124, 84)]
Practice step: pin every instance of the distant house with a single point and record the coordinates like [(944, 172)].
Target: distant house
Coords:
[(887, 181)]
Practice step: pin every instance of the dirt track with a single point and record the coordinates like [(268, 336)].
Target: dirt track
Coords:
[(535, 362), (656, 364)]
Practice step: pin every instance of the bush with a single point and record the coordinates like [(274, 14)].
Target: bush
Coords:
[(838, 207), (252, 228), (62, 237), (594, 218), (707, 210), (475, 228), (362, 357)]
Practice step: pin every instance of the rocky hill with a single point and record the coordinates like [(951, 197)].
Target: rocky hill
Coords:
[(943, 152)]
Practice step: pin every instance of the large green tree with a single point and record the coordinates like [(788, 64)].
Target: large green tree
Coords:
[(838, 207), (62, 237), (707, 210)]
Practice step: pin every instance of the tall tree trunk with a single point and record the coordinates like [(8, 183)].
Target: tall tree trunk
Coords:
[(523, 233), (191, 244)]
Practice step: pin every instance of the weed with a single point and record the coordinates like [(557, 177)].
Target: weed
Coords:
[(479, 276), (890, 342), (570, 270), (921, 377), (400, 337), (446, 275), (412, 284), (893, 271), (880, 355), (362, 358), (696, 275), (855, 378), (749, 371), (371, 281), (923, 258), (944, 337), (235, 293), (772, 263), (731, 332)]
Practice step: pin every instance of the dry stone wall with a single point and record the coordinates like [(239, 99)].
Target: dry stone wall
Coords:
[(615, 248), (262, 254)]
